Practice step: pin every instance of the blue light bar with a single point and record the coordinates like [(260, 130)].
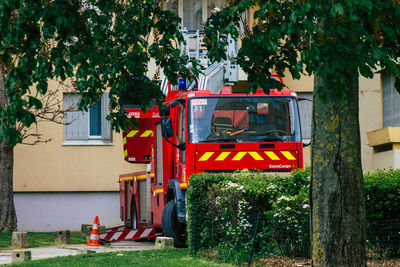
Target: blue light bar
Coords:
[(182, 84)]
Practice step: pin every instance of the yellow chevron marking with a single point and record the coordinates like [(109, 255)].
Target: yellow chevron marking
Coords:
[(147, 133), (159, 191), (288, 155), (124, 140), (206, 156), (183, 184), (132, 133), (271, 155), (222, 156), (125, 153), (255, 155), (239, 156)]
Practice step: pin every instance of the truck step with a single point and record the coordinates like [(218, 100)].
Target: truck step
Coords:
[(121, 234)]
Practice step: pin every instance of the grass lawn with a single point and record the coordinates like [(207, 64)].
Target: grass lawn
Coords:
[(37, 239), (150, 258)]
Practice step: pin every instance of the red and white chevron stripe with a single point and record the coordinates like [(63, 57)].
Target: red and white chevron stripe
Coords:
[(118, 234)]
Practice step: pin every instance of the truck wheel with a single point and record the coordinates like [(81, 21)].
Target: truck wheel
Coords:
[(171, 227), (134, 214)]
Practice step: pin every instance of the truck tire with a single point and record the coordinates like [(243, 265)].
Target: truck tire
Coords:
[(171, 227)]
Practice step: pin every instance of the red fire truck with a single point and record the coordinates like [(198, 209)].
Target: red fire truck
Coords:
[(198, 131)]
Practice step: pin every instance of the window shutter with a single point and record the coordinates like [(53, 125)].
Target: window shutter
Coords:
[(105, 124), (77, 129)]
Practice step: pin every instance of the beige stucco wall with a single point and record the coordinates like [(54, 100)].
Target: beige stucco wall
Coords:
[(370, 117), (53, 166), (387, 159)]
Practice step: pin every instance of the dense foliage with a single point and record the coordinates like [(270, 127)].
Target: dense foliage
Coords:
[(223, 211), (329, 39)]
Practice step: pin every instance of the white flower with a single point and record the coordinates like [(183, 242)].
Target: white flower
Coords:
[(230, 184), (306, 206), (271, 186), (283, 198)]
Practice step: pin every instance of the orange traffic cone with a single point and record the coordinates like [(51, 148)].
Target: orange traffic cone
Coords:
[(94, 236)]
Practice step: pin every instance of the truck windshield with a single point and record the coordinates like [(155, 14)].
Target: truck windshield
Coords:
[(243, 119)]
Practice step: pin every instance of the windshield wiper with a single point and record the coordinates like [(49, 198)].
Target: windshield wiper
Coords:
[(225, 140)]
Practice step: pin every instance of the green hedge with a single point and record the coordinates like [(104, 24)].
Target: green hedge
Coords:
[(382, 198), (223, 210)]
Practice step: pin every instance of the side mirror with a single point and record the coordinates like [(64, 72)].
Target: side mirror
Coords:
[(166, 127)]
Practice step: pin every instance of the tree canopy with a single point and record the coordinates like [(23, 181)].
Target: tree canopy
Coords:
[(103, 45), (327, 38)]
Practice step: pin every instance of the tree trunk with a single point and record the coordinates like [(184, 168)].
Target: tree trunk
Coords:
[(8, 217), (337, 194)]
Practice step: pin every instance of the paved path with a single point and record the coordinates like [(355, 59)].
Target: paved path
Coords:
[(67, 250)]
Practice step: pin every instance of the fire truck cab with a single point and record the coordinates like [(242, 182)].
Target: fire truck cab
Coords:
[(200, 131)]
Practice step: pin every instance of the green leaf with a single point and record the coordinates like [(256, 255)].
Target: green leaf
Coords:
[(337, 10)]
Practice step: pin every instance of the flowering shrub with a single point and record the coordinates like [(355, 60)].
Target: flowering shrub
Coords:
[(223, 210)]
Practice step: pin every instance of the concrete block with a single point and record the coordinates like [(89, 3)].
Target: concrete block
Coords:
[(63, 236), (163, 242), (19, 240), (87, 229), (21, 255), (102, 229)]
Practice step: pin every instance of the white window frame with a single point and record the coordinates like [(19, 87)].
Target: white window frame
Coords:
[(82, 137), (390, 102)]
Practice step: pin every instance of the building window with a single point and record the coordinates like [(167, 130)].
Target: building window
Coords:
[(390, 101), (86, 127), (95, 121), (193, 13)]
